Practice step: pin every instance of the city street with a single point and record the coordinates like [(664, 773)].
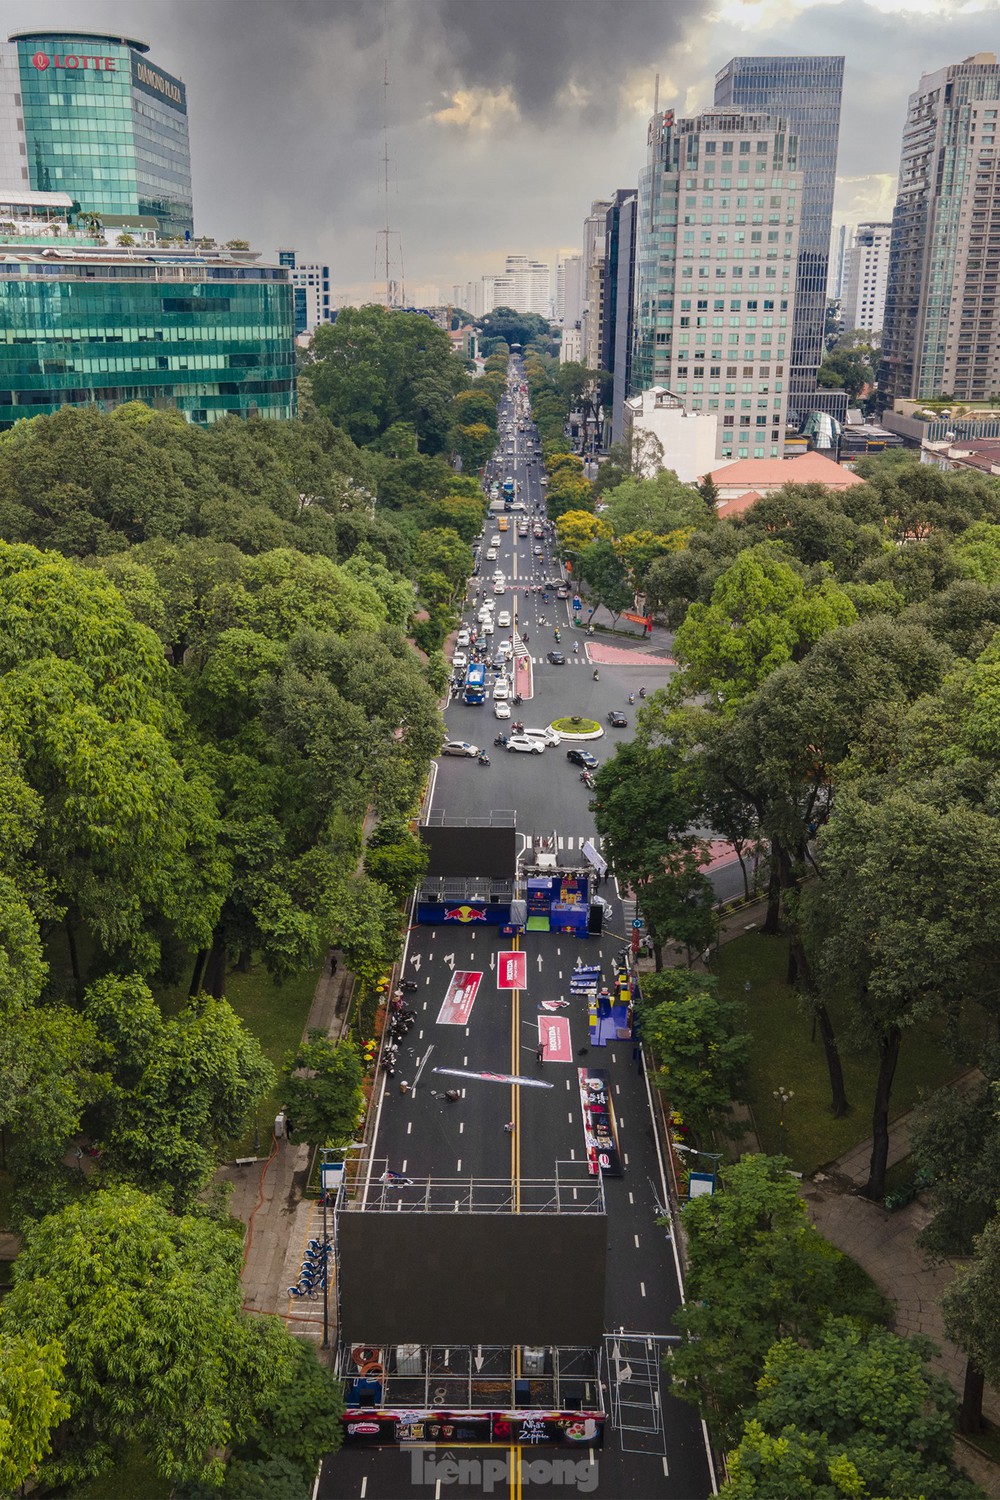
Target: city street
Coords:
[(420, 1133)]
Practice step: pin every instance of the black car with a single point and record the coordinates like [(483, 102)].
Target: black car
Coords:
[(617, 719), (583, 758), (557, 658)]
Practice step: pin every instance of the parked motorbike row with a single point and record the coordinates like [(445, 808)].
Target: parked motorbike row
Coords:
[(399, 1025)]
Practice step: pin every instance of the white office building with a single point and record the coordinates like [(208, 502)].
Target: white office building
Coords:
[(688, 438), (866, 277)]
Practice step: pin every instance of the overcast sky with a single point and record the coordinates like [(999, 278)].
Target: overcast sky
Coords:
[(506, 117)]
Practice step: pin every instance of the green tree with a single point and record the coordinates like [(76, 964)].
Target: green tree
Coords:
[(969, 1306), (147, 1306), (31, 1405), (179, 1086), (859, 1413), (644, 811), (700, 1044), (903, 929), (606, 577), (758, 1271), (955, 1145), (322, 1090), (661, 505), (761, 614)]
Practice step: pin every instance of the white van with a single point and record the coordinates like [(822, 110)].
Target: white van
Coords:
[(547, 736)]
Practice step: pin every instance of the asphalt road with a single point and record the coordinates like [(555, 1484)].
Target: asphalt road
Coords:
[(421, 1133)]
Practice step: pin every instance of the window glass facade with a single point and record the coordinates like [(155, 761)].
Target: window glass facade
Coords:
[(207, 340), (806, 93), (104, 124)]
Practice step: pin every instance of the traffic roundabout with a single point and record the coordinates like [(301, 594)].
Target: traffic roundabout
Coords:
[(577, 727)]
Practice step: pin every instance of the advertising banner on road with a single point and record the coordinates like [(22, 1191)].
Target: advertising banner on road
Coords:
[(600, 1132), (364, 1426), (461, 997), (554, 1039), (512, 970)]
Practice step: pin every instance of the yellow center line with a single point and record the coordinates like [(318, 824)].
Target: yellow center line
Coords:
[(514, 1469)]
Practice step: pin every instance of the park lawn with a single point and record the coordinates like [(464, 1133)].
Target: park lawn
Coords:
[(276, 1015), (783, 1054)]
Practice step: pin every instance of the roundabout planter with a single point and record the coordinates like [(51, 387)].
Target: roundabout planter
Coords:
[(577, 727)]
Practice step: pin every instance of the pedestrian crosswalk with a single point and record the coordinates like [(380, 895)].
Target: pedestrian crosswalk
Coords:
[(564, 843)]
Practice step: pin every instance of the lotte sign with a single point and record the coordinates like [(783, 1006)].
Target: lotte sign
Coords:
[(72, 61), (512, 971)]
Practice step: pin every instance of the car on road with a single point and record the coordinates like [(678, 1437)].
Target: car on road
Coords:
[(460, 659), (557, 658), (463, 638), (501, 709), (547, 736), (503, 619), (525, 744), (459, 747), (537, 551), (583, 758), (491, 554), (486, 613), (501, 689), (505, 650), (562, 593), (617, 719), (488, 625), (499, 588)]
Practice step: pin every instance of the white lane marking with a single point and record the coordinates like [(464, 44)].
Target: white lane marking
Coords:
[(666, 1470), (461, 1127), (364, 1486), (618, 1088), (409, 1126), (621, 1123), (625, 1157), (403, 1168), (420, 1034), (569, 1116), (630, 1198), (458, 1166), (642, 1287), (636, 1238)]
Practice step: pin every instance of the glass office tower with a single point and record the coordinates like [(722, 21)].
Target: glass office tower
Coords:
[(97, 120), (206, 333), (805, 92)]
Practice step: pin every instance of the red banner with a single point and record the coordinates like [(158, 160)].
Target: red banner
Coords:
[(512, 970), (554, 1038), (461, 996)]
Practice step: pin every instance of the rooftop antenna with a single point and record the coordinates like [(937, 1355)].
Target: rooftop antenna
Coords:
[(388, 241), (656, 96)]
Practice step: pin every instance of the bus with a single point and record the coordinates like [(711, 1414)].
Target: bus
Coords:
[(508, 491), (475, 683)]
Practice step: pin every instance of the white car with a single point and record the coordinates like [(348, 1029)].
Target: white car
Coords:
[(459, 747), (463, 638), (499, 588), (485, 614), (506, 650), (491, 554), (460, 659), (494, 541), (501, 709), (525, 744), (547, 736), (499, 576), (501, 690), (488, 625), (503, 620)]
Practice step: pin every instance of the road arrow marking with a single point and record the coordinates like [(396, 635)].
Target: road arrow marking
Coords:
[(478, 1361), (449, 959), (539, 963), (415, 961)]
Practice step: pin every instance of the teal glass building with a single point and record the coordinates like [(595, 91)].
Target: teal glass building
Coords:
[(207, 333), (99, 121)]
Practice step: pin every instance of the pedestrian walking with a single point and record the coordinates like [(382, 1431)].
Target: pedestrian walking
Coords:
[(540, 1052), (333, 964)]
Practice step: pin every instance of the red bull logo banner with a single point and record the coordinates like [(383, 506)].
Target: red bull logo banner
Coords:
[(465, 914), (460, 998)]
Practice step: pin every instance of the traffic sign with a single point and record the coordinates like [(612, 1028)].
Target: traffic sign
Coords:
[(638, 923)]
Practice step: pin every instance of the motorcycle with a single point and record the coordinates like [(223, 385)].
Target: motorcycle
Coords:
[(631, 697), (597, 675), (517, 727), (586, 778), (484, 759), (642, 692), (501, 739), (517, 700), (408, 984)]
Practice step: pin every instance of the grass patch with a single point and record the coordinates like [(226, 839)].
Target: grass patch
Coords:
[(784, 1053), (276, 1015), (576, 725)]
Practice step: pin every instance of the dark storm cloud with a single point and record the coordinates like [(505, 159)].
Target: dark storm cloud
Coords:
[(537, 47)]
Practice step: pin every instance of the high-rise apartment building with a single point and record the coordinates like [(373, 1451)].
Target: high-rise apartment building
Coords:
[(942, 318), (595, 228), (617, 322), (805, 92), (569, 289), (718, 243), (311, 283), (90, 115), (839, 249), (525, 286), (866, 275)]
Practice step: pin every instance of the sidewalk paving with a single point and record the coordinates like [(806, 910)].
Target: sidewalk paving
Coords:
[(268, 1196)]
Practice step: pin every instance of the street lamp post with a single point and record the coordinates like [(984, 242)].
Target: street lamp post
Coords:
[(784, 1096), (713, 1156)]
